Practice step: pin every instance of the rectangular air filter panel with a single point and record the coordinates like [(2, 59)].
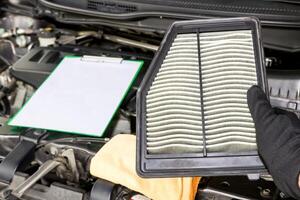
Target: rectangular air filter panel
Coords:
[(192, 112)]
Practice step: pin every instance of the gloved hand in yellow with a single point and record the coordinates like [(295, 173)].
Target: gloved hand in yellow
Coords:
[(116, 162)]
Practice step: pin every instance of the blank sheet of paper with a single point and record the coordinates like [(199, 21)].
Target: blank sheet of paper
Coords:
[(79, 96)]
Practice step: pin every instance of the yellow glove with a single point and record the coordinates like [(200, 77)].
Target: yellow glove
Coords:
[(116, 162)]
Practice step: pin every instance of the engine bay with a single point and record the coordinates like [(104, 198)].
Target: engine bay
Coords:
[(30, 49)]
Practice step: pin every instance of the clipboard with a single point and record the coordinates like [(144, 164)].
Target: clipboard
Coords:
[(80, 96)]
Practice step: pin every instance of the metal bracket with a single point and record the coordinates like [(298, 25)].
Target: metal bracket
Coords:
[(21, 155), (69, 154), (253, 177), (28, 183), (66, 157), (210, 193), (101, 59)]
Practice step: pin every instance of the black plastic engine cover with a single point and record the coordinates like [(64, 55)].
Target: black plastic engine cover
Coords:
[(284, 89), (34, 67)]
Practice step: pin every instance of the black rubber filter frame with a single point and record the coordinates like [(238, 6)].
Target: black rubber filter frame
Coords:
[(197, 164)]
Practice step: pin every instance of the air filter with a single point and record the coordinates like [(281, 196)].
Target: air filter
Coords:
[(192, 112)]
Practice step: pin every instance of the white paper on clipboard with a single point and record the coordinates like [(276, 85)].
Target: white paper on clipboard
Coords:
[(80, 96)]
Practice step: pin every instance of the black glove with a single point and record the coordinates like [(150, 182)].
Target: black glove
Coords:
[(278, 140)]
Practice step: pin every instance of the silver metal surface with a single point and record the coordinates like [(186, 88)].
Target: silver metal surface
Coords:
[(213, 194), (69, 154), (66, 158), (41, 192), (41, 172), (129, 42)]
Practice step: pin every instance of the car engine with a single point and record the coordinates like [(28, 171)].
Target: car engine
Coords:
[(30, 49)]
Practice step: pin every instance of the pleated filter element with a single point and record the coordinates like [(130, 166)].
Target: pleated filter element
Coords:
[(173, 103), (174, 122), (192, 104), (228, 71)]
